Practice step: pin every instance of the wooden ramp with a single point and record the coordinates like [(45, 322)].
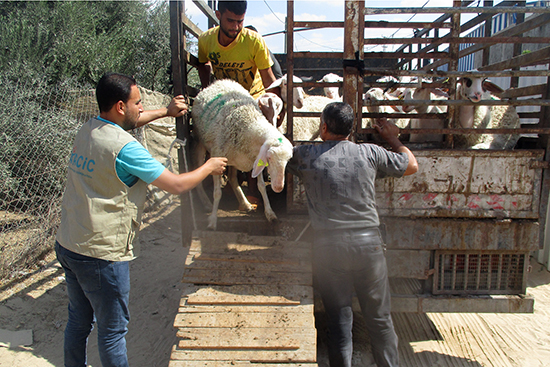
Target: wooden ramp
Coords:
[(247, 300)]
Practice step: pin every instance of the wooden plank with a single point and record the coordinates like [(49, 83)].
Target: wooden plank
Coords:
[(239, 238), (233, 277), (260, 252), (174, 363), (258, 307), (235, 300), (245, 293), (246, 257), (243, 338), (243, 320), (237, 251), (298, 356), (211, 263)]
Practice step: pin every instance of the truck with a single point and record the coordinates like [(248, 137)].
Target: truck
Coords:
[(461, 232)]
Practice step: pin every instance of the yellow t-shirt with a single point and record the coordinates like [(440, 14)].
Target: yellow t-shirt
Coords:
[(239, 61)]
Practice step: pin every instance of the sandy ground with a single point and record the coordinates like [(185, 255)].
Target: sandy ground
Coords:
[(34, 311)]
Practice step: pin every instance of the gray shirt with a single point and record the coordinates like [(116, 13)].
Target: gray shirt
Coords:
[(339, 181)]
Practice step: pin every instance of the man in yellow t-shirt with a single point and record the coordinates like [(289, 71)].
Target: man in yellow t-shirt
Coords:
[(233, 52)]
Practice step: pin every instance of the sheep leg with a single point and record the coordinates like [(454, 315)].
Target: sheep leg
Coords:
[(213, 218), (244, 204), (269, 213), (200, 154)]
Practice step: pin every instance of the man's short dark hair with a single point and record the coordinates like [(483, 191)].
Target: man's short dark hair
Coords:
[(338, 117), (111, 88), (236, 7)]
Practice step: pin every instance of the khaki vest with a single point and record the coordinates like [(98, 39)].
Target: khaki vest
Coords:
[(100, 215)]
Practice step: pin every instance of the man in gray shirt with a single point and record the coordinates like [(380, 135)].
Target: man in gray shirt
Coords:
[(348, 253)]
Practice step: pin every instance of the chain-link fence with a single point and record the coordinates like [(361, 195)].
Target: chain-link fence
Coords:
[(37, 128)]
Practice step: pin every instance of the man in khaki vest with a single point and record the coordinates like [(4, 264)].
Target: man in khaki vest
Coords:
[(101, 215)]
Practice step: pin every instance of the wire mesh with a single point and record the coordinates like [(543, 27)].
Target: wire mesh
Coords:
[(38, 124)]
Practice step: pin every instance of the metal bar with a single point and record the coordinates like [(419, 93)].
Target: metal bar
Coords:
[(179, 76), (526, 26), (457, 10), (478, 272), (407, 55), (499, 276), (460, 102), (319, 55), (414, 25), (488, 33), (471, 23), (290, 92), (531, 90), (354, 20), (463, 131), (453, 278), (445, 74), (318, 24), (532, 58), (459, 40), (466, 268)]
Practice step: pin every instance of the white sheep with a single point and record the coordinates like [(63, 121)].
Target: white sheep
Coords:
[(332, 92), (426, 92), (307, 128), (298, 94), (228, 123), (485, 117), (271, 106), (377, 94)]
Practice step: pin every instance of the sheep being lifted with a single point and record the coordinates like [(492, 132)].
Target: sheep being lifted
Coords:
[(228, 123)]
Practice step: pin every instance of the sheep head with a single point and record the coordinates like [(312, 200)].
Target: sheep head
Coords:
[(474, 89), (332, 92), (274, 154), (271, 106), (298, 95)]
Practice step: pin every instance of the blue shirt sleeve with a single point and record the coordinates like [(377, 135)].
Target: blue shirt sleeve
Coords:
[(134, 162)]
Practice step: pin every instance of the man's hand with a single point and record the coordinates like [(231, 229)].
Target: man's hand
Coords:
[(177, 107), (386, 129), (216, 165)]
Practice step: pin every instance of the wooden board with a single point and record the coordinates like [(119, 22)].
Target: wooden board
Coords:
[(247, 300), (244, 338)]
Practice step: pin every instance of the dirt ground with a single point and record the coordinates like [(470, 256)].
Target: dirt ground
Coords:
[(33, 313)]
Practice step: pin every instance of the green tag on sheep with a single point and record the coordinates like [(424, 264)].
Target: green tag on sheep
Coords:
[(281, 140), (262, 163)]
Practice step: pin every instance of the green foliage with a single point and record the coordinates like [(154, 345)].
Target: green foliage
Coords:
[(59, 40), (36, 136)]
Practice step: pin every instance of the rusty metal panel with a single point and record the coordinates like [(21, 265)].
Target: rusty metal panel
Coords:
[(408, 264), (471, 184), (461, 234), (492, 304)]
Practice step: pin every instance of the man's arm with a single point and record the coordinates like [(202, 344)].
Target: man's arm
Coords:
[(177, 184), (389, 133), (176, 108), (205, 70), (267, 77)]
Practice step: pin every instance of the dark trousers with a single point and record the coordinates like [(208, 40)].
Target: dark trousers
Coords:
[(348, 262)]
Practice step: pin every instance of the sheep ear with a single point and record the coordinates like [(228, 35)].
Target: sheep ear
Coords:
[(275, 84), (261, 161), (492, 87)]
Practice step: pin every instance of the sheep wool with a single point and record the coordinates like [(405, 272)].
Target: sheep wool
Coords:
[(228, 123), (492, 117)]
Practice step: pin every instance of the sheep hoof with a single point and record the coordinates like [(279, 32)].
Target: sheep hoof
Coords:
[(212, 223), (247, 207), (271, 216)]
